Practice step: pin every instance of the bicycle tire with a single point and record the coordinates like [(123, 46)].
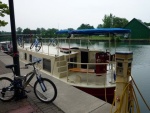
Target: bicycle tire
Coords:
[(47, 96), (20, 43), (39, 46), (7, 94), (32, 45), (54, 44)]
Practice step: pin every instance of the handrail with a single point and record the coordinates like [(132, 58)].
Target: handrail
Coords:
[(110, 62), (87, 71)]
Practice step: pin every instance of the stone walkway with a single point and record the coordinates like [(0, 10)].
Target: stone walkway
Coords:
[(29, 105), (69, 99)]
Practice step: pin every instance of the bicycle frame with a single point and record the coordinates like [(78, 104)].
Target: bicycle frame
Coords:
[(36, 42), (31, 74), (38, 76)]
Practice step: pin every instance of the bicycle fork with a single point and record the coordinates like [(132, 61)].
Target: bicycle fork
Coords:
[(43, 87)]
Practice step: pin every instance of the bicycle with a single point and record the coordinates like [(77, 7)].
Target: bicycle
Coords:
[(44, 89), (37, 43), (20, 42), (52, 41)]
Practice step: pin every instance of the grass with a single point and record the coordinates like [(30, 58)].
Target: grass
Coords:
[(99, 37)]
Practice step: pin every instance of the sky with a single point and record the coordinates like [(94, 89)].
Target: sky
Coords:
[(63, 14)]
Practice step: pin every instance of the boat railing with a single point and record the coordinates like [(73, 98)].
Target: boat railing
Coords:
[(91, 71), (61, 42)]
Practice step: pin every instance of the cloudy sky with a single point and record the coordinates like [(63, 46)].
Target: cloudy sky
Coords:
[(63, 14)]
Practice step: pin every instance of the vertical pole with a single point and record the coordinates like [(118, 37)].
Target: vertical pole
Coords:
[(123, 70), (13, 34)]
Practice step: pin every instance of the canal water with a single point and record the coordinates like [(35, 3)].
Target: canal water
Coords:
[(140, 64)]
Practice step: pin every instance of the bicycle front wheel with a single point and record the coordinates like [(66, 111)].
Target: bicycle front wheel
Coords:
[(45, 96), (38, 47), (7, 92), (21, 44)]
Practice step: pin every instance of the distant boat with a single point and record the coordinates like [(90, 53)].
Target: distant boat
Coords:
[(90, 70), (6, 46)]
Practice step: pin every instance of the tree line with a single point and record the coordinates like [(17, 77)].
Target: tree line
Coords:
[(109, 21)]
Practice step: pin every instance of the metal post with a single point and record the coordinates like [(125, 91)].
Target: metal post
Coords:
[(14, 42), (123, 70)]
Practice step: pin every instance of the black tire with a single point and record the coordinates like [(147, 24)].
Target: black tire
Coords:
[(32, 45), (47, 96), (39, 46), (7, 92)]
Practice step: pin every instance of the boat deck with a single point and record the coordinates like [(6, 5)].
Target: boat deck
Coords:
[(91, 80)]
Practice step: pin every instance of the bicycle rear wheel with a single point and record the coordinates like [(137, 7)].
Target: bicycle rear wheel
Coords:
[(49, 95), (54, 44), (32, 45), (7, 92)]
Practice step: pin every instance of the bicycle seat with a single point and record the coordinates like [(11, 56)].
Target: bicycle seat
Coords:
[(10, 66)]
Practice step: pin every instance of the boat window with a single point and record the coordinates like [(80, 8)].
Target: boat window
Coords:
[(30, 58), (25, 56), (84, 59), (74, 59), (47, 65)]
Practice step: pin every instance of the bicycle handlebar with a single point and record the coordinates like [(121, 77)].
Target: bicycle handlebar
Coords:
[(33, 63)]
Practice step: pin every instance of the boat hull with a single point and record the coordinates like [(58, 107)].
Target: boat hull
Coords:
[(100, 93)]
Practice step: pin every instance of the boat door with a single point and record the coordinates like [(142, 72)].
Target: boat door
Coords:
[(84, 59)]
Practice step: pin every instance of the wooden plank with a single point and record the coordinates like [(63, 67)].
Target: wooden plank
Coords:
[(82, 70)]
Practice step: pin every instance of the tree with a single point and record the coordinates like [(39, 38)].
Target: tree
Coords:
[(4, 10), (148, 24), (33, 32), (119, 22), (43, 31), (85, 26), (108, 21), (112, 21), (27, 31), (100, 26), (51, 32), (38, 31), (70, 29), (19, 30)]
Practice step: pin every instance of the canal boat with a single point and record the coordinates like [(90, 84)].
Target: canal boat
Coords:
[(90, 70), (6, 47)]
